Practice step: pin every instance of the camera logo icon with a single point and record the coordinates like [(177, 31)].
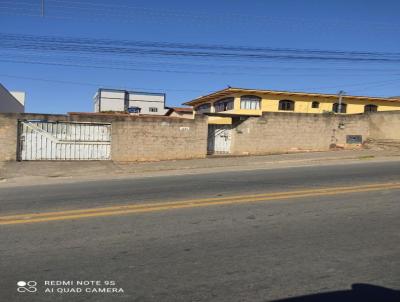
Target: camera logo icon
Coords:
[(26, 286)]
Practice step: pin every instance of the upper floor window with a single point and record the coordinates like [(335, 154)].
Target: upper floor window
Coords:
[(315, 104), (153, 109), (224, 105), (203, 108), (370, 108), (335, 108), (250, 102), (286, 105)]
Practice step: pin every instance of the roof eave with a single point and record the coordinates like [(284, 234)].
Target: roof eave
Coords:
[(227, 91)]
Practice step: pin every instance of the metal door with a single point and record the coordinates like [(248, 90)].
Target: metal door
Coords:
[(219, 139), (42, 140)]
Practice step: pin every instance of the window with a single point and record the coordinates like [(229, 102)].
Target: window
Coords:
[(250, 102), (203, 108), (286, 105), (224, 105), (315, 105), (153, 109), (335, 108), (370, 108), (134, 110)]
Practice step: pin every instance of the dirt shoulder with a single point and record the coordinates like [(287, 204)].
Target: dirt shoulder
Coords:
[(43, 172)]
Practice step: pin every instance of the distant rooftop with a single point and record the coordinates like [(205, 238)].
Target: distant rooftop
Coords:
[(131, 91), (181, 109)]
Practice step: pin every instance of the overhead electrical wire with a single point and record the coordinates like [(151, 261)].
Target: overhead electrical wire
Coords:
[(109, 46), (157, 62), (96, 84), (121, 42), (238, 73), (365, 85), (187, 58), (95, 12), (220, 16)]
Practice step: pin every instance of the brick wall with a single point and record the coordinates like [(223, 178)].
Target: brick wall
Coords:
[(287, 132)]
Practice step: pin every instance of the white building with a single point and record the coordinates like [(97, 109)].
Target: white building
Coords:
[(11, 101), (106, 100)]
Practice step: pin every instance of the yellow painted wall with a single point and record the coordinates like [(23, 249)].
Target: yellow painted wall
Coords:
[(270, 103), (303, 104), (216, 120)]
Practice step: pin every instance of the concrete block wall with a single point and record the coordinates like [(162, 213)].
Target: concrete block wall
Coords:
[(8, 137), (385, 125), (150, 139), (133, 138), (344, 125), (162, 138), (286, 132)]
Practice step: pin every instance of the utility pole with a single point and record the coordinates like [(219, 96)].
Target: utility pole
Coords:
[(42, 8), (341, 93)]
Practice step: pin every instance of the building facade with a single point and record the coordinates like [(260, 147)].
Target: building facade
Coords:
[(225, 104), (11, 101), (144, 103)]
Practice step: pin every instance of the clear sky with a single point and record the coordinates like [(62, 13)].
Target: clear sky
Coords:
[(340, 25)]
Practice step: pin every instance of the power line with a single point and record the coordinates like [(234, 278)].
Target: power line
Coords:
[(108, 10), (96, 53), (189, 68), (358, 84), (240, 73), (243, 66), (104, 46), (96, 84), (218, 15), (121, 42), (100, 53), (6, 9), (23, 4), (93, 84), (18, 14)]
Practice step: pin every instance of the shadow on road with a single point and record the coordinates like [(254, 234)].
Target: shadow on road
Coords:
[(358, 292)]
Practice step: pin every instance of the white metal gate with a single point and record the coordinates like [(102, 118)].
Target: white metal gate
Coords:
[(219, 139), (42, 140)]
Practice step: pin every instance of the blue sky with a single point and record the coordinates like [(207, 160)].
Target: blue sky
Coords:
[(351, 25)]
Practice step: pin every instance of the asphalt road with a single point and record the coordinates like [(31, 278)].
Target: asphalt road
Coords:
[(317, 247), (103, 193)]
